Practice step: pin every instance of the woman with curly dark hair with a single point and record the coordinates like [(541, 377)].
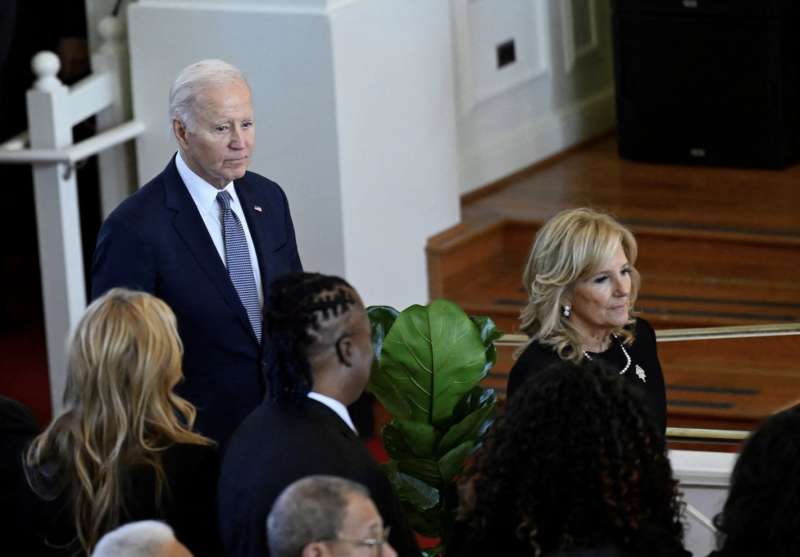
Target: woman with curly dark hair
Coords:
[(574, 467), (762, 513)]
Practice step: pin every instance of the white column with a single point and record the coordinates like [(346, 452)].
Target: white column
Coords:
[(57, 219), (355, 119)]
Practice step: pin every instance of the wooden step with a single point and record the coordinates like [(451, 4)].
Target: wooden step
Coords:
[(689, 278)]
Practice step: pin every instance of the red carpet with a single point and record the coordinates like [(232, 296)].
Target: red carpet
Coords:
[(23, 371)]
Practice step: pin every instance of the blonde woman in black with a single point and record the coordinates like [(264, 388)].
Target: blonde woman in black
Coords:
[(582, 284), (122, 449)]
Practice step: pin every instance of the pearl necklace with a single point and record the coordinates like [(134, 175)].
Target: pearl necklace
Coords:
[(627, 356)]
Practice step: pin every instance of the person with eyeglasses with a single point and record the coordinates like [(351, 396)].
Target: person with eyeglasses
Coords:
[(322, 516)]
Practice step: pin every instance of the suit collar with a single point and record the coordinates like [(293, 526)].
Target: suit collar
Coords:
[(336, 406)]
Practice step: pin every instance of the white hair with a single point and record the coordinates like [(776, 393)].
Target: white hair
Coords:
[(135, 539), (193, 80)]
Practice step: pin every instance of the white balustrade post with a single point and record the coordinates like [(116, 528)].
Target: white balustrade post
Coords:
[(117, 166), (57, 218)]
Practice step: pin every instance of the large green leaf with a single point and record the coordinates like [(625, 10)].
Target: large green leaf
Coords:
[(381, 319), (431, 357), (423, 469), (468, 429), (488, 330), (410, 490), (453, 461), (489, 333), (426, 522), (407, 439)]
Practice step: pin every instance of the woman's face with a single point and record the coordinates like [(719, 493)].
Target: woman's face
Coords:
[(600, 302)]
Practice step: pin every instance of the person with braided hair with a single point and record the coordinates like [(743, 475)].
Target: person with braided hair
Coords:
[(574, 468), (323, 350)]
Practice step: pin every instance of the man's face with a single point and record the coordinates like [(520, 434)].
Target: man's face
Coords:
[(218, 143), (361, 528)]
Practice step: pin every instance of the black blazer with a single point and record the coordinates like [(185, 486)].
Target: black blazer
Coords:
[(643, 353), (283, 442), (156, 241), (46, 527)]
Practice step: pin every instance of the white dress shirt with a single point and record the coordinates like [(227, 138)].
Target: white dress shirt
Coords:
[(204, 196), (336, 406)]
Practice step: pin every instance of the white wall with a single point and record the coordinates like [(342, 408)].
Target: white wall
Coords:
[(557, 93), (354, 118), (397, 139)]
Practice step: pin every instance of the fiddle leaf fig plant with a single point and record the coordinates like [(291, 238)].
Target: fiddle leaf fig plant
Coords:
[(429, 361)]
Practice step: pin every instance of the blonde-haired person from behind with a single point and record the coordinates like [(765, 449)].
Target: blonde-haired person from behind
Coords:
[(582, 285), (123, 448)]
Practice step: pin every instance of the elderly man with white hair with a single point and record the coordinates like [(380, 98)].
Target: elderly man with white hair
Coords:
[(207, 237), (147, 538), (326, 516)]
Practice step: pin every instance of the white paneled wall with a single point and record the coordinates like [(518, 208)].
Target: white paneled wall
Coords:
[(559, 91), (355, 118)]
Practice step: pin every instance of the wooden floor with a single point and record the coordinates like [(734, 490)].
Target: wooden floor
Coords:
[(717, 247)]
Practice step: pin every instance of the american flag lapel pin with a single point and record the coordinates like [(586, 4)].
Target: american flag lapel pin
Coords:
[(257, 208)]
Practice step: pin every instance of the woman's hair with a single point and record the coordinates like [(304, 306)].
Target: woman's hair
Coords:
[(762, 513), (304, 318), (571, 246), (575, 462), (119, 409)]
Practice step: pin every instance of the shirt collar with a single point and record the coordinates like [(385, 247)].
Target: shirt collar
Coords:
[(336, 406), (203, 193)]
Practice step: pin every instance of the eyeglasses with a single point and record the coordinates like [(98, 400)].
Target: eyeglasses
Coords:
[(376, 543)]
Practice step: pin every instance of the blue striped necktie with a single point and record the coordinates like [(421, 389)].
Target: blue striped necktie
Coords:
[(237, 259)]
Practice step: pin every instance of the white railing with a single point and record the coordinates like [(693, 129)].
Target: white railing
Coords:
[(53, 110)]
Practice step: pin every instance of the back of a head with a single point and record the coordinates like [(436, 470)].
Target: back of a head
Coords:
[(575, 462), (762, 513), (124, 355), (147, 538), (306, 314), (124, 360), (311, 509)]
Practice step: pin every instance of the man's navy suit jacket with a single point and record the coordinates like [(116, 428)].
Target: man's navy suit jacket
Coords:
[(156, 241)]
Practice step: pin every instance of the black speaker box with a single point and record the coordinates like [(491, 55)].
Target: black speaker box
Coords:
[(708, 81)]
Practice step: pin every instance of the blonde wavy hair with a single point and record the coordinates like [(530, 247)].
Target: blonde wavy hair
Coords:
[(571, 246), (119, 410)]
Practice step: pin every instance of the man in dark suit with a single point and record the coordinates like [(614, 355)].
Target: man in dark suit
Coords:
[(208, 238), (324, 352)]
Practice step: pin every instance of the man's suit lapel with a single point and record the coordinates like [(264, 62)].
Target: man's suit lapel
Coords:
[(190, 227), (262, 228)]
